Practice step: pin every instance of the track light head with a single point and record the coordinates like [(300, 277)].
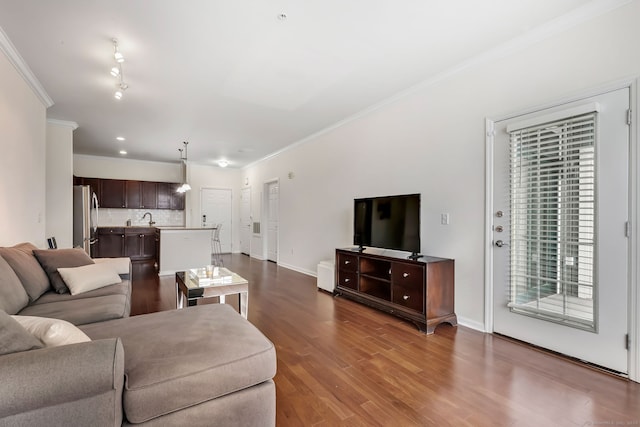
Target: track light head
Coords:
[(115, 71)]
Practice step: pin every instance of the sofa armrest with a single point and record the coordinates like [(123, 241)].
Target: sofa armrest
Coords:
[(48, 381)]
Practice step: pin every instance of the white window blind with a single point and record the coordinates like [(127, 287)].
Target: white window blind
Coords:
[(553, 220)]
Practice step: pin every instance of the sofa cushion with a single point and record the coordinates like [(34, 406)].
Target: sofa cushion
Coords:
[(122, 288), (175, 359), (53, 259), (52, 332), (34, 279), (82, 311), (13, 297), (88, 277), (14, 337)]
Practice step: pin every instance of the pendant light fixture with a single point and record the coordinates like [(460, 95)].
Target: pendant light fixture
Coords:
[(183, 163)]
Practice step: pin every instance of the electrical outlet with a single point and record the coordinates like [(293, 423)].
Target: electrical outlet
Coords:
[(444, 219)]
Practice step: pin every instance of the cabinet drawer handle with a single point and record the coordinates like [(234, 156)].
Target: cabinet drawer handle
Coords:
[(347, 262), (405, 297), (347, 280), (122, 235), (405, 274)]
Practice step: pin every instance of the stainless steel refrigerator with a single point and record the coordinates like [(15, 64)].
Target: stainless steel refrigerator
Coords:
[(85, 218)]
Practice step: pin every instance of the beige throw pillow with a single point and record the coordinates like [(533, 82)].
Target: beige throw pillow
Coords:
[(52, 332), (88, 277), (121, 265)]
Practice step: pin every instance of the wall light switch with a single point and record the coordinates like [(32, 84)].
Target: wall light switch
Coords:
[(444, 219)]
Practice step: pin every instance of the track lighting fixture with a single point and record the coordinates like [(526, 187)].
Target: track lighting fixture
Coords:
[(117, 71)]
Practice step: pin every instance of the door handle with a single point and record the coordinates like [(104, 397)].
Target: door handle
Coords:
[(500, 243)]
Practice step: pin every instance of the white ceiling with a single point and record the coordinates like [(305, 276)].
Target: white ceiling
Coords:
[(233, 79)]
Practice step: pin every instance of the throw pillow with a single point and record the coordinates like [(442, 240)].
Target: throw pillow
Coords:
[(13, 297), (53, 259), (121, 265), (89, 277), (52, 332), (25, 265), (15, 338)]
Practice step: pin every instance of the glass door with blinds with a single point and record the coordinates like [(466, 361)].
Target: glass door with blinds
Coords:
[(560, 246)]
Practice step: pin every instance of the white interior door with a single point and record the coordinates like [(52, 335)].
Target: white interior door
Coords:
[(272, 221), (215, 208), (245, 221), (560, 212)]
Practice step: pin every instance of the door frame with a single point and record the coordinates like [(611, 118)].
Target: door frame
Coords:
[(249, 243), (265, 219), (633, 300)]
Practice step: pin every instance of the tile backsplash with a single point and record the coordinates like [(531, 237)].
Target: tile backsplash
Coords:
[(111, 217)]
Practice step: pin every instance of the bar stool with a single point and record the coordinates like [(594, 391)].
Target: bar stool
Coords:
[(216, 246)]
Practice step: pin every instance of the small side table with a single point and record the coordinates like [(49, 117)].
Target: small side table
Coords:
[(187, 288)]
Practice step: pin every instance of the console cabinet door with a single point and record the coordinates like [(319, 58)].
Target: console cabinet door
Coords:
[(408, 285)]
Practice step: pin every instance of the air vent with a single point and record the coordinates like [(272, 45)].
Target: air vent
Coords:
[(256, 228)]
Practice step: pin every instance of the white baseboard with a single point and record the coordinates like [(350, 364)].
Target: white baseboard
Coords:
[(298, 269), (472, 324)]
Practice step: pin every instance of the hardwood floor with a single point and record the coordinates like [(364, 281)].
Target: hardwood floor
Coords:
[(342, 363)]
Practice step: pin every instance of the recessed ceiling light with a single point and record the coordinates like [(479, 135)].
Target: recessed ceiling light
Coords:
[(123, 152), (120, 138)]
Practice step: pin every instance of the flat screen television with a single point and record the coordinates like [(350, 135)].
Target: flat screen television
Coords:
[(390, 222)]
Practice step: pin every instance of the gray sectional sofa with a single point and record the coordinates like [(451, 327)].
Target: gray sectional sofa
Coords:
[(200, 366)]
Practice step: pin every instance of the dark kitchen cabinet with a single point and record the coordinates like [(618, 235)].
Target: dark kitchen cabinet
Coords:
[(110, 242), (177, 199), (113, 193), (130, 194), (163, 195), (140, 243), (149, 195), (134, 194)]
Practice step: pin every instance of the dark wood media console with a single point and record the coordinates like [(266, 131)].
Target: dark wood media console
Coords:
[(421, 291)]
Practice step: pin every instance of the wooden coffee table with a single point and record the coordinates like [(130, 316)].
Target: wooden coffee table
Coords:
[(187, 287)]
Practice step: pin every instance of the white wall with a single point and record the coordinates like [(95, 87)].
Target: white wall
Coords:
[(22, 163), (432, 141), (59, 181)]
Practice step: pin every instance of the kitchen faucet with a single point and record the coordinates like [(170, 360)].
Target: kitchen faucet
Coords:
[(150, 218)]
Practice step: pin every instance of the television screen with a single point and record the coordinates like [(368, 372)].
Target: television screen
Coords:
[(391, 222)]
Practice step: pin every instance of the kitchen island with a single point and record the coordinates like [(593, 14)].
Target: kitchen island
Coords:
[(182, 248)]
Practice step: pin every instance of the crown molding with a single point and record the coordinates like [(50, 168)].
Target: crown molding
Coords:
[(63, 123), (23, 69)]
